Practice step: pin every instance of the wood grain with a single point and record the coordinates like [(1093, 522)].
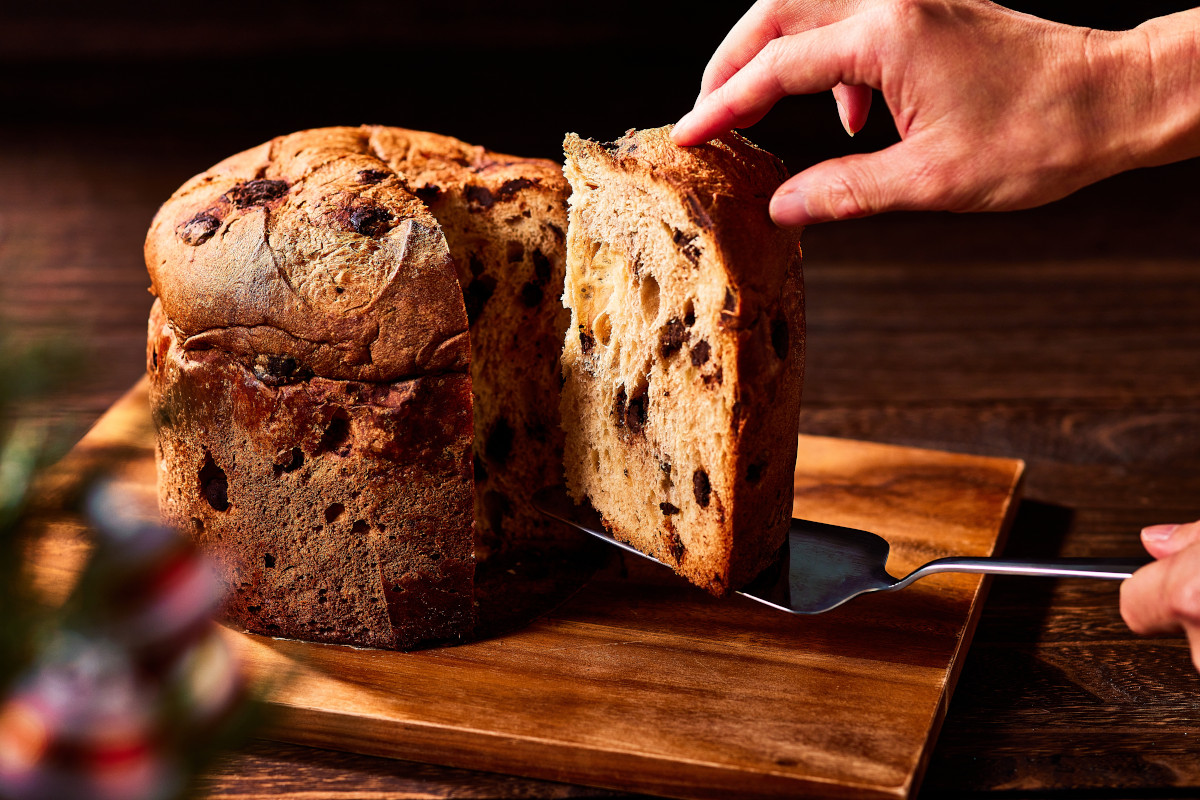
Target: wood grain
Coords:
[(640, 682)]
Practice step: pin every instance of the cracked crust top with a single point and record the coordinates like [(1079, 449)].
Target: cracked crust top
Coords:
[(312, 248)]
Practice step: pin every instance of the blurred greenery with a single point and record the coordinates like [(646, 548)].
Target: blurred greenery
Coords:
[(30, 372)]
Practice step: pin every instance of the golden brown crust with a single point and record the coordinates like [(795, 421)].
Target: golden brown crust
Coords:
[(310, 247), (292, 490)]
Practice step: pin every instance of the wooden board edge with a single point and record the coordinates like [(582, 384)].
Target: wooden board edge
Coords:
[(480, 750), (1011, 504)]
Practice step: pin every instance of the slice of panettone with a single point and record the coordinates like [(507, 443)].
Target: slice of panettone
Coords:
[(684, 359)]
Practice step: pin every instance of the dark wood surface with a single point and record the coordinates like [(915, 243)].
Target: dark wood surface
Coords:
[(1067, 336)]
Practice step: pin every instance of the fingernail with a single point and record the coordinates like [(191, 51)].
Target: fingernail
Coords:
[(1158, 533), (843, 116), (680, 129), (789, 210)]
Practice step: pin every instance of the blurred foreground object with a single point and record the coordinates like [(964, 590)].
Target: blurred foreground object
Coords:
[(135, 688), (129, 689)]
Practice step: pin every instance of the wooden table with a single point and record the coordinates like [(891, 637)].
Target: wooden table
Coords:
[(1068, 337)]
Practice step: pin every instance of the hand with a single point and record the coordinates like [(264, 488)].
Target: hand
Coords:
[(1164, 595), (996, 110)]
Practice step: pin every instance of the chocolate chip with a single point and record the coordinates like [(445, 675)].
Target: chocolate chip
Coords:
[(214, 484), (698, 214), (668, 509), (700, 353), (664, 467), (499, 442), (514, 252), (479, 197), (612, 146), (428, 193), (619, 404), (755, 471), (779, 337), (701, 487), (541, 267), (478, 292), (672, 541), (686, 245), (730, 300), (370, 219), (268, 561), (255, 193), (717, 377), (275, 370), (671, 338), (512, 186), (636, 412), (586, 342), (689, 319), (531, 295), (199, 229), (370, 176)]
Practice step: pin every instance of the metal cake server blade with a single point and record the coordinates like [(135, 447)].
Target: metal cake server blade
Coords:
[(822, 566)]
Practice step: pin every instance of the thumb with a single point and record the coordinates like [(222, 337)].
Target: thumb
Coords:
[(1166, 540), (858, 185)]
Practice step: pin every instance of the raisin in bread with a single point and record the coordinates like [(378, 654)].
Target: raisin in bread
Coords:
[(311, 375), (683, 364)]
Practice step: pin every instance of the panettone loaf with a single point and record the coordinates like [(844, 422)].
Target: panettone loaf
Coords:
[(683, 363), (311, 374)]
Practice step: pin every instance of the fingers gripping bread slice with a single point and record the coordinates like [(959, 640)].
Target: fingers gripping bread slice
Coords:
[(683, 363)]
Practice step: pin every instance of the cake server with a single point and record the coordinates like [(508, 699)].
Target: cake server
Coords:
[(822, 566)]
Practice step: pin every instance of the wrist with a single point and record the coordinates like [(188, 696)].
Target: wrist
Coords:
[(1155, 92)]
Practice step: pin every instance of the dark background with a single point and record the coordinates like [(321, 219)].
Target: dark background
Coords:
[(195, 82), (221, 76)]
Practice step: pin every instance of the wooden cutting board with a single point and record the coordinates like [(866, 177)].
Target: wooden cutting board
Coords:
[(639, 681)]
